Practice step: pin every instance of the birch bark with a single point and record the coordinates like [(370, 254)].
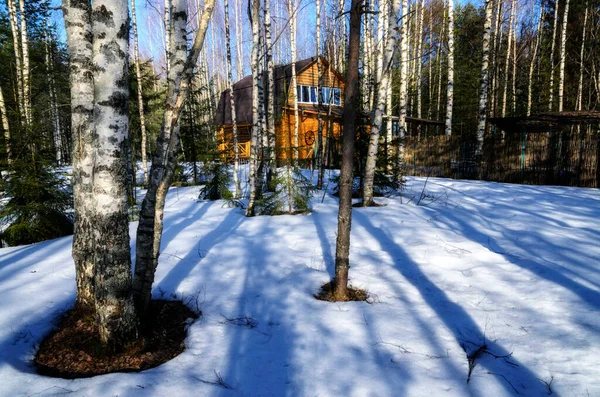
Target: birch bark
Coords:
[(291, 6), (236, 151), (140, 98), (164, 160), (561, 71), (256, 114), (508, 55), (78, 26), (533, 59), (483, 89), (6, 128), (379, 111), (450, 89), (581, 60), (26, 67), (554, 29), (14, 25)]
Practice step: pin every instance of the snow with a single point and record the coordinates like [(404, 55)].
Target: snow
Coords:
[(513, 267)]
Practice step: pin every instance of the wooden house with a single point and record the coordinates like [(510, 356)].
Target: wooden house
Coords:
[(307, 81)]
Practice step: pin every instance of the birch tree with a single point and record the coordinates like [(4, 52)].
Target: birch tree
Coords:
[(380, 102), (450, 89), (5, 128), (319, 153), (26, 67), (256, 103), (538, 38), (270, 92), (342, 249), (403, 76), (561, 71), (553, 45), (291, 8), (112, 261), (483, 88), (14, 25), (140, 98), (511, 26), (236, 150), (581, 60), (164, 160), (78, 26)]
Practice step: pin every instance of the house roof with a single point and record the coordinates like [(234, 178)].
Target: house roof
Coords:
[(242, 93)]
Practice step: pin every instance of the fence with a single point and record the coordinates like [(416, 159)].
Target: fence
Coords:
[(557, 158)]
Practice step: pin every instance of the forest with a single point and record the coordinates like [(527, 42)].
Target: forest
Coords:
[(124, 123)]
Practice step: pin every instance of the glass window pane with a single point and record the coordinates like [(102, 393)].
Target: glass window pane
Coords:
[(299, 92), (305, 94), (337, 96), (313, 94)]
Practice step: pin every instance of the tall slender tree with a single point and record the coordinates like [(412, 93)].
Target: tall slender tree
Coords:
[(380, 102), (6, 128), (342, 249), (483, 88), (450, 89), (164, 161), (563, 49), (140, 97), (552, 50)]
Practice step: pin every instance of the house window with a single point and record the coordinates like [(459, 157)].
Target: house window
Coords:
[(308, 94)]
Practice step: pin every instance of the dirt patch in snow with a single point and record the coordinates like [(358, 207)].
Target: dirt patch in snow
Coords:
[(354, 294), (73, 348)]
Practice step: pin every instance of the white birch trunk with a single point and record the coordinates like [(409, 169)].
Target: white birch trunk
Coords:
[(419, 58), (319, 153), (78, 26), (256, 114), (508, 55), (533, 59), (238, 40), (5, 128), (403, 77), (563, 44), (581, 60), (483, 89), (236, 151), (379, 111), (112, 273), (14, 25), (56, 128), (554, 29), (496, 45), (270, 92), (450, 89), (291, 7), (164, 160), (140, 98), (26, 68)]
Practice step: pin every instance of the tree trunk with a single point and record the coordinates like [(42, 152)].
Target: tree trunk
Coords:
[(291, 6), (238, 40), (256, 116), (496, 44), (56, 130), (483, 89), (419, 57), (164, 160), (6, 129), (236, 151), (319, 153), (554, 29), (26, 68), (533, 59), (561, 72), (270, 92), (14, 24), (511, 22), (403, 76), (450, 89), (342, 249), (380, 100), (79, 42), (112, 272), (581, 59), (138, 76)]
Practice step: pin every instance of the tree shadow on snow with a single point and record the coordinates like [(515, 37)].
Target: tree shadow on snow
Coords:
[(512, 377)]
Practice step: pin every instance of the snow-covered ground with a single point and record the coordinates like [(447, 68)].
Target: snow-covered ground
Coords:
[(516, 268)]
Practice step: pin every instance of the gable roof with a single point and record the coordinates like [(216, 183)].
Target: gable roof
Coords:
[(242, 92)]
